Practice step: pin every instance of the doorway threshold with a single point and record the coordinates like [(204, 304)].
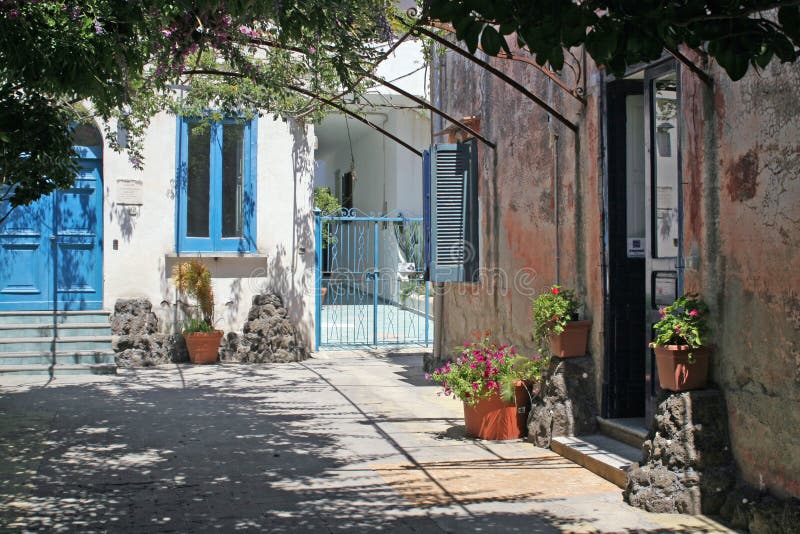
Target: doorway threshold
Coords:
[(630, 430)]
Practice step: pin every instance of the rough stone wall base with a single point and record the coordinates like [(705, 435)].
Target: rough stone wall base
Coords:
[(687, 466), (137, 343), (268, 336), (565, 405)]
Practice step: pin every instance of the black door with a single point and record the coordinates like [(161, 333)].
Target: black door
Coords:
[(626, 339)]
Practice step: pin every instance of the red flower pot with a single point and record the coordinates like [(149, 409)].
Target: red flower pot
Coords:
[(203, 346), (675, 373), (572, 341), (494, 419)]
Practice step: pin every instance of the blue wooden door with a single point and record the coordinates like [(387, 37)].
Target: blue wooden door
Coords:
[(51, 252), (25, 257)]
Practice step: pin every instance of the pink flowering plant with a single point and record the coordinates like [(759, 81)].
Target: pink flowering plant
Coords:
[(484, 368), (684, 322)]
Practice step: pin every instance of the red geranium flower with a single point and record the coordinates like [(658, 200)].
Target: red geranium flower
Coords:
[(554, 291)]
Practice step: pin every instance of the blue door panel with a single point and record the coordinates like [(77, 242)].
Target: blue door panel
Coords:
[(55, 242), (79, 259), (25, 257)]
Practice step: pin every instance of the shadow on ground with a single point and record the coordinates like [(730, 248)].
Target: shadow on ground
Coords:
[(244, 448)]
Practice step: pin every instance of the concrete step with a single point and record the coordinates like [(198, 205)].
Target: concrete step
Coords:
[(58, 369), (62, 344), (47, 317), (23, 330), (46, 358), (630, 430), (599, 454)]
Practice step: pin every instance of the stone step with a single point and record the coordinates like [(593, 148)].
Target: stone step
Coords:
[(599, 454), (29, 330), (47, 317), (46, 358), (630, 430), (59, 369), (65, 344)]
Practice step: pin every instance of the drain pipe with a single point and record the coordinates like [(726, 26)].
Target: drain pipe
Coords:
[(438, 287), (554, 150)]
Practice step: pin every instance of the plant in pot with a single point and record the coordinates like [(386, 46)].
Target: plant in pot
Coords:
[(193, 279), (495, 384), (556, 328), (682, 355), (327, 204)]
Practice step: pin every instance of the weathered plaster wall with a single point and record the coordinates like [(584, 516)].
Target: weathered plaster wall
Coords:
[(146, 241), (742, 176), (517, 204)]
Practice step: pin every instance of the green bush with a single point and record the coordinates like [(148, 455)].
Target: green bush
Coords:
[(552, 310)]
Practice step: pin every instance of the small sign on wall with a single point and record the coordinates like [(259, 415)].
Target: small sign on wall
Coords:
[(129, 192), (406, 267), (636, 247)]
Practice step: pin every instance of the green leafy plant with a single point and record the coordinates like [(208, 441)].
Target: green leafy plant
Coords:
[(193, 279), (684, 322), (413, 286), (196, 325), (328, 205), (552, 310), (483, 369)]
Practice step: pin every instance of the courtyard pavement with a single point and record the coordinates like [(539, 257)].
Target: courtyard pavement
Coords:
[(343, 442)]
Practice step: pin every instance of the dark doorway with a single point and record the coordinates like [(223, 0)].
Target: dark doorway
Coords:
[(347, 191), (626, 352)]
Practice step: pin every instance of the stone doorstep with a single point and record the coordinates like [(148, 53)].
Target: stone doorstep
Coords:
[(602, 455), (631, 430)]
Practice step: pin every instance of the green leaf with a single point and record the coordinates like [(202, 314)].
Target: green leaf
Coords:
[(508, 27), (491, 41), (471, 36)]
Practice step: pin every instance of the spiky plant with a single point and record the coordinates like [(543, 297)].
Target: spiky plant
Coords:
[(193, 279)]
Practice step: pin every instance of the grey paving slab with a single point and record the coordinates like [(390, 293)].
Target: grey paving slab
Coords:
[(347, 443)]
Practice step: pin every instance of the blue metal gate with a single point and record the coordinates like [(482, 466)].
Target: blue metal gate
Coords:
[(369, 281)]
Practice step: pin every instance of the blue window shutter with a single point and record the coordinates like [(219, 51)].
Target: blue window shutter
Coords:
[(453, 212)]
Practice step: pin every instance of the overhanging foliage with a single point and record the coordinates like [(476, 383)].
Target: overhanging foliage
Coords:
[(131, 59), (620, 33)]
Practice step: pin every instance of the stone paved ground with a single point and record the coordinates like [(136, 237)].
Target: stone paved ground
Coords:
[(344, 442)]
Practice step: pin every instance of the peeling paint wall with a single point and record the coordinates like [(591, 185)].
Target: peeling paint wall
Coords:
[(517, 204), (742, 166), (741, 193)]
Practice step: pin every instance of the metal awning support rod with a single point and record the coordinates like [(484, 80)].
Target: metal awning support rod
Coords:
[(356, 116), (706, 79), (513, 83), (502, 55), (431, 107)]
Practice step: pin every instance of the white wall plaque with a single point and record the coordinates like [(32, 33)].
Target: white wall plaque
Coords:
[(129, 192)]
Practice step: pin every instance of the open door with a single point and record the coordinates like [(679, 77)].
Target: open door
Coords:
[(644, 231), (626, 339)]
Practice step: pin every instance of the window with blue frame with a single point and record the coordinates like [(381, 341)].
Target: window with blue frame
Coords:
[(216, 186)]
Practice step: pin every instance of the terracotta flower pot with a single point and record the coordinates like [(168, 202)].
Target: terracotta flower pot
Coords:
[(203, 346), (572, 341), (494, 419), (675, 373)]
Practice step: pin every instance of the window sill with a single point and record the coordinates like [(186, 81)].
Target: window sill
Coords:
[(216, 255)]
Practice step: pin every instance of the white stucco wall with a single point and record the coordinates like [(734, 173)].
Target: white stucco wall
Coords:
[(145, 255)]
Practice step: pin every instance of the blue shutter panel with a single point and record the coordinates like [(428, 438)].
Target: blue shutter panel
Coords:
[(453, 213), (426, 212)]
